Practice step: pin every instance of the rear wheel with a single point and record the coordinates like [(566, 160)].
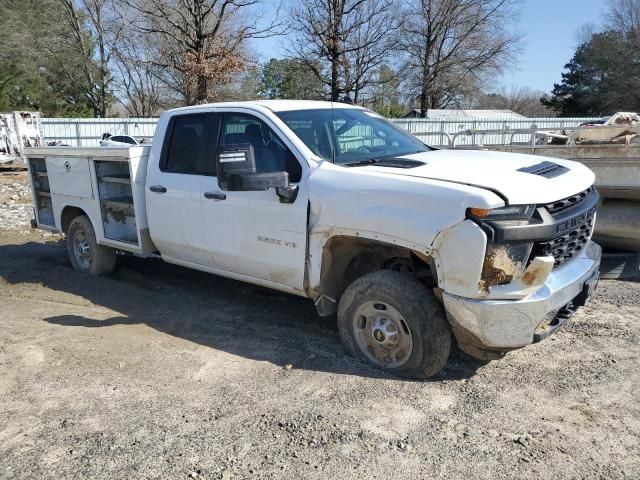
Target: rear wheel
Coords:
[(84, 252), (395, 323)]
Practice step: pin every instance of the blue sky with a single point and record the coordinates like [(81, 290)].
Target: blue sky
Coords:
[(550, 29)]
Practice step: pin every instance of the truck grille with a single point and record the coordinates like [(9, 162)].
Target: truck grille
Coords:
[(564, 247), (569, 202)]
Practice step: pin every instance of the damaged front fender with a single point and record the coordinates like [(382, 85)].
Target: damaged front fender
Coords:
[(468, 266), (459, 254)]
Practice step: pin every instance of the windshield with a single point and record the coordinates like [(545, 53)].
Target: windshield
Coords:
[(350, 135)]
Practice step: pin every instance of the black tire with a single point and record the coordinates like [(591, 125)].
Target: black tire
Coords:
[(424, 315), (99, 260)]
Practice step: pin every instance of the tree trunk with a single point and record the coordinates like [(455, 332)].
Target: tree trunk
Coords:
[(201, 90), (335, 88), (202, 93), (424, 99)]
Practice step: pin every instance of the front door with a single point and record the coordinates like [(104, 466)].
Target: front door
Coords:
[(253, 233)]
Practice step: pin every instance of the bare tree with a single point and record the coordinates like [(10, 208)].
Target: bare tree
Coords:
[(450, 46), (372, 42), (522, 100), (91, 33), (343, 41), (139, 89), (624, 16), (200, 44)]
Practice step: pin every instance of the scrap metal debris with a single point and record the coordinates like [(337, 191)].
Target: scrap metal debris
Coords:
[(17, 131), (621, 128)]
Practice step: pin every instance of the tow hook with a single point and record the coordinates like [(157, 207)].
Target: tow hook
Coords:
[(566, 312), (554, 321)]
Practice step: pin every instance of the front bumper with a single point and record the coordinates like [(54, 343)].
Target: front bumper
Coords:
[(483, 327)]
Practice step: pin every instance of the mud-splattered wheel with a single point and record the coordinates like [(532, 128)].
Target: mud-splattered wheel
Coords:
[(84, 252), (396, 324), (382, 334)]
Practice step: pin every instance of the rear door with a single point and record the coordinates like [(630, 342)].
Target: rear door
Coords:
[(174, 187)]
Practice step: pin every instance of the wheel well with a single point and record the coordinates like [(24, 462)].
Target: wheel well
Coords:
[(68, 214), (344, 259)]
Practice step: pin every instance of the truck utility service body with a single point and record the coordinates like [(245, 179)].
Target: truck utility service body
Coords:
[(333, 203)]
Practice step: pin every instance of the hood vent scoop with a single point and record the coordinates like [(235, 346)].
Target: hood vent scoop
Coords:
[(545, 169)]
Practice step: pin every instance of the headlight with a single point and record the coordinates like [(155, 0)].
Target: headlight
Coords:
[(511, 212), (504, 262)]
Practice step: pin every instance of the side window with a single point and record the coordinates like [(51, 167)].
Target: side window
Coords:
[(188, 149), (271, 154)]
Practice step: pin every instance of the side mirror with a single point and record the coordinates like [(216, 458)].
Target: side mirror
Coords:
[(251, 182), (236, 167), (234, 160)]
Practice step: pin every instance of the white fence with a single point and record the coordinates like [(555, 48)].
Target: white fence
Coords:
[(88, 131), (484, 131)]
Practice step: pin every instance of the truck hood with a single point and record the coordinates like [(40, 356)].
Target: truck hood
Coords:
[(499, 172)]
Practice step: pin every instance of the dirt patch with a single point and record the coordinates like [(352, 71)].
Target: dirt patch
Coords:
[(163, 372)]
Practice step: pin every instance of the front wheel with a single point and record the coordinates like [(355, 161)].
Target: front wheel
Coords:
[(84, 252), (395, 323)]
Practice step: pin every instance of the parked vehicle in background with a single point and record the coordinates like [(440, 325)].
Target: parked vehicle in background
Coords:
[(109, 140), (410, 246)]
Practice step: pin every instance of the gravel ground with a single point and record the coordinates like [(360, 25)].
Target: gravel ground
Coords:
[(162, 372)]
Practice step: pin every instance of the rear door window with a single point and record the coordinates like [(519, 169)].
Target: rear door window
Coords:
[(189, 146)]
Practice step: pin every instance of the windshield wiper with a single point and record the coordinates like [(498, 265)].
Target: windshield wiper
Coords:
[(365, 161)]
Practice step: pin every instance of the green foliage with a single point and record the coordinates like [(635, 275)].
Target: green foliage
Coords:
[(602, 78), (395, 110), (31, 78), (18, 90), (386, 94), (289, 79)]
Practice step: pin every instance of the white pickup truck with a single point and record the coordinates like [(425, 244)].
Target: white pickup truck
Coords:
[(409, 245)]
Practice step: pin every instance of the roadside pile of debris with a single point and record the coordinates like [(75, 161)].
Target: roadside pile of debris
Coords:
[(621, 128), (15, 202)]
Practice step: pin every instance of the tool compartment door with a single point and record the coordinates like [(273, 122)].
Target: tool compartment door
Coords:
[(69, 176)]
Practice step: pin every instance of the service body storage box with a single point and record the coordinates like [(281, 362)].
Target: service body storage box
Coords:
[(106, 183)]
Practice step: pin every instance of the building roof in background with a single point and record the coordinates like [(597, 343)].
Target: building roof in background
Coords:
[(451, 114)]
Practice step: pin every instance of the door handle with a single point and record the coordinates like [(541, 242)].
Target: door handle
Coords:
[(215, 196), (157, 189)]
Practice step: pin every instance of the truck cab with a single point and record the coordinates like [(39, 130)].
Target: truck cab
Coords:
[(411, 247)]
